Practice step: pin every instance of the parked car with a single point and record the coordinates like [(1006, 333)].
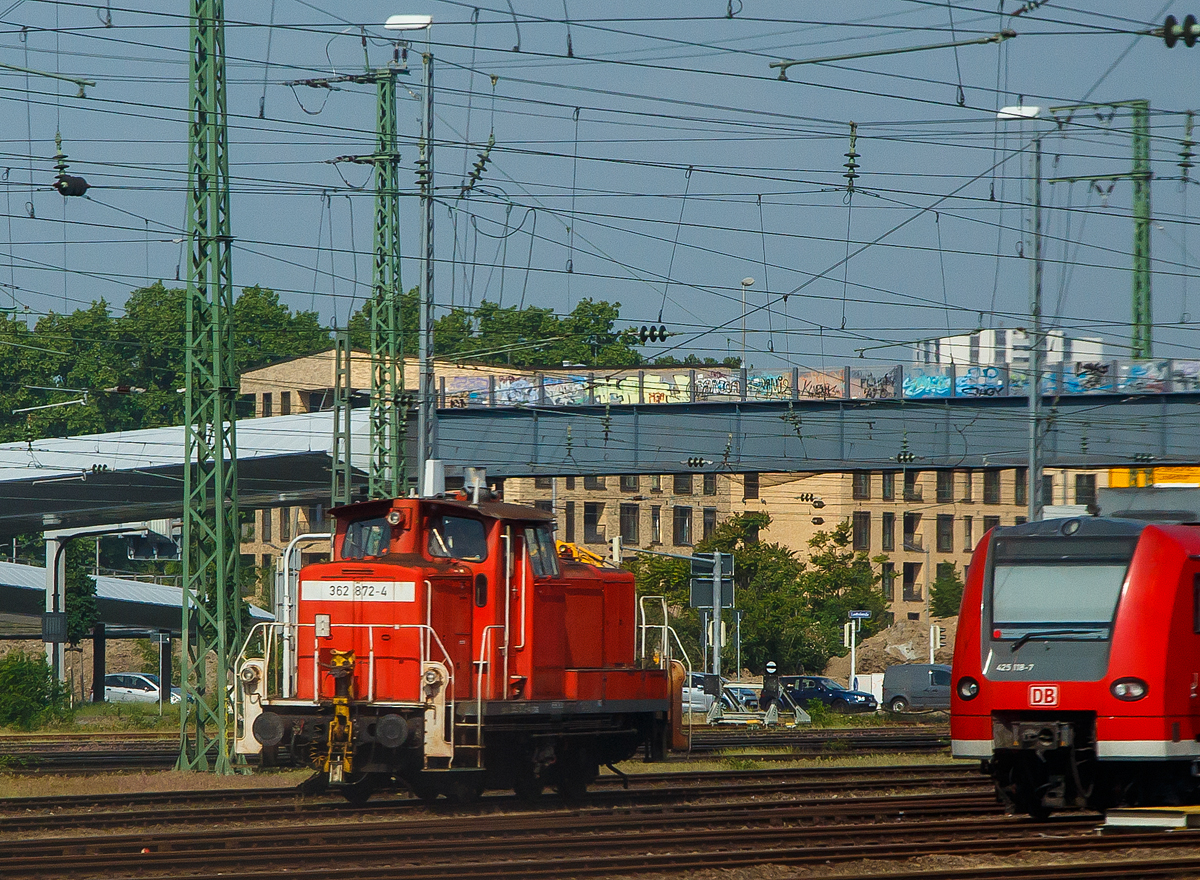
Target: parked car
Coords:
[(134, 687), (746, 695), (696, 700), (803, 689), (916, 686)]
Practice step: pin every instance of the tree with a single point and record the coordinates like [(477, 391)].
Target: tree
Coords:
[(694, 361), (82, 613), (29, 693), (945, 593)]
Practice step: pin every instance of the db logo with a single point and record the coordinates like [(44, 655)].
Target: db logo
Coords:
[(1043, 695)]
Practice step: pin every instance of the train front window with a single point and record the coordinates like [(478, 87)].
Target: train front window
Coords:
[(366, 537), (458, 537), (1056, 581), (542, 555)]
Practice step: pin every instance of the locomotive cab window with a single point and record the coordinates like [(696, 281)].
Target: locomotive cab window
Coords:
[(366, 537), (542, 555), (457, 537)]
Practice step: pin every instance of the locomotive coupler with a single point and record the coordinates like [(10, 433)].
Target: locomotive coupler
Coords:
[(339, 756)]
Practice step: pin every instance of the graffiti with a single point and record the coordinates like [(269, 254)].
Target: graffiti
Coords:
[(871, 385), (772, 386), (820, 385), (1185, 375), (1144, 376), (717, 384), (926, 382), (1088, 377), (516, 391), (983, 381), (566, 390)]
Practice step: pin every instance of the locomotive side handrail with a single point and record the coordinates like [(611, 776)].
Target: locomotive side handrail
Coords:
[(665, 658)]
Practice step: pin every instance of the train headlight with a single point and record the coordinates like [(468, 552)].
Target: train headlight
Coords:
[(1129, 689), (968, 688)]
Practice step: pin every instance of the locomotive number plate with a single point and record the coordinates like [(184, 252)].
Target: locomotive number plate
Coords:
[(1043, 695), (358, 591)]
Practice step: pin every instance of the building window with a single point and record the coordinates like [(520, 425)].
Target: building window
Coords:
[(265, 530), (861, 489), (710, 522), (268, 407), (629, 482), (749, 486), (990, 522), (630, 516), (1085, 489), (889, 486), (912, 538), (570, 523), (968, 534), (593, 483), (710, 484), (656, 483), (682, 522), (888, 583), (912, 586), (1020, 484), (889, 531), (945, 487), (593, 528), (544, 504), (1021, 520), (266, 560), (968, 486), (570, 482), (991, 487), (862, 529), (285, 403), (912, 492), (655, 525), (543, 482), (945, 533), (316, 515), (1048, 489), (682, 484), (285, 525)]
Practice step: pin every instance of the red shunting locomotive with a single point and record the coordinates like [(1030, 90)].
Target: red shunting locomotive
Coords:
[(448, 648), (1077, 664)]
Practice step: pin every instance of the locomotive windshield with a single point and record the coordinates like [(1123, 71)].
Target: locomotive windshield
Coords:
[(1067, 580), (542, 555), (366, 537), (458, 537)]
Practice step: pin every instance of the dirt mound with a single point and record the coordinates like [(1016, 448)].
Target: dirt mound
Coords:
[(906, 641)]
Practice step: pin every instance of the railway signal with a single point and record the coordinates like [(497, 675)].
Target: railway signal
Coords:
[(653, 333)]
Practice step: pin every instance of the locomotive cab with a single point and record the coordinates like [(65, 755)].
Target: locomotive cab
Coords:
[(446, 647)]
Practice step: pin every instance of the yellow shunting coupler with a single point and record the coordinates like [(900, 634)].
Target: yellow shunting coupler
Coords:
[(339, 757)]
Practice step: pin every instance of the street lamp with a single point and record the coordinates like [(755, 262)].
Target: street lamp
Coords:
[(1036, 341), (426, 400), (746, 282)]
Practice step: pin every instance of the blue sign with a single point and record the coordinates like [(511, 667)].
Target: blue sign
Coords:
[(859, 615)]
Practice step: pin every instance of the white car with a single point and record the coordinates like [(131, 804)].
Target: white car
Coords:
[(134, 687)]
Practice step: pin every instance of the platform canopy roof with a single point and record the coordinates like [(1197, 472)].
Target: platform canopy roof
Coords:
[(127, 608)]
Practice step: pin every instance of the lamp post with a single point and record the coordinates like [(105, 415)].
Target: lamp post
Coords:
[(426, 400), (746, 282), (1036, 339)]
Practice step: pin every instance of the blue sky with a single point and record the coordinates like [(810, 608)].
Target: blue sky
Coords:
[(644, 153)]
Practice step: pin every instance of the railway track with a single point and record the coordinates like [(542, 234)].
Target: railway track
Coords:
[(651, 790)]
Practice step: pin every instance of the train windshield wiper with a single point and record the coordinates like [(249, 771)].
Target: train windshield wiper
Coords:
[(1052, 632)]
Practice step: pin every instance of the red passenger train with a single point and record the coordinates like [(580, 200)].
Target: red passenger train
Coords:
[(1077, 664), (448, 648)]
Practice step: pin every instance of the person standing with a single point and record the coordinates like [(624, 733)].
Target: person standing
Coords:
[(770, 688)]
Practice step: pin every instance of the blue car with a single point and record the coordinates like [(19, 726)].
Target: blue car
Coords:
[(803, 689)]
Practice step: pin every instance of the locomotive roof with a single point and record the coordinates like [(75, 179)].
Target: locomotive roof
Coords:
[(493, 509), (1088, 526)]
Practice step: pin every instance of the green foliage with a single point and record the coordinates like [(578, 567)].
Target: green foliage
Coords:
[(523, 337), (693, 361), (792, 609), (81, 589), (131, 366), (945, 593), (29, 695)]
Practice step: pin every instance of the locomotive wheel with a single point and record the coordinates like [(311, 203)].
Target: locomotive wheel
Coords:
[(899, 704), (360, 790), (462, 791), (424, 788), (528, 786), (575, 771)]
